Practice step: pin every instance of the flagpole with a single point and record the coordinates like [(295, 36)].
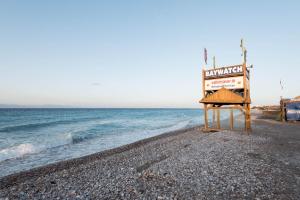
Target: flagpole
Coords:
[(214, 61), (205, 58), (244, 51), (281, 85)]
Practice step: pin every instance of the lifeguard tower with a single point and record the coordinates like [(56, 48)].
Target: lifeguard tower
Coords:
[(227, 87)]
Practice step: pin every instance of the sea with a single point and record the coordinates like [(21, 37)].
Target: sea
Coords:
[(35, 137)]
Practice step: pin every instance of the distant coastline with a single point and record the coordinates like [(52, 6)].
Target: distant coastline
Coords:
[(12, 106)]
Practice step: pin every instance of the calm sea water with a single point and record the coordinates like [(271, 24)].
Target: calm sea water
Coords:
[(36, 137)]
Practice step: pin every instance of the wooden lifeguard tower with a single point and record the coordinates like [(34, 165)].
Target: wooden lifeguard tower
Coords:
[(227, 88)]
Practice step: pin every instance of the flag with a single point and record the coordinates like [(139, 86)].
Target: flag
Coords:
[(205, 55), (281, 84)]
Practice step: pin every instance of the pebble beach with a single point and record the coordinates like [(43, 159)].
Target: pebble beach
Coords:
[(183, 164)]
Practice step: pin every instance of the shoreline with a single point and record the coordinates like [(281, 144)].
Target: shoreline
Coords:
[(61, 165), (182, 164), (59, 137), (14, 178)]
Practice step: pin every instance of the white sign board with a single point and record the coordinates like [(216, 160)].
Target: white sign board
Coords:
[(228, 83)]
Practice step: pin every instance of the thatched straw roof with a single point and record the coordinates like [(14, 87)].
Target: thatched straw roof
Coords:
[(224, 96)]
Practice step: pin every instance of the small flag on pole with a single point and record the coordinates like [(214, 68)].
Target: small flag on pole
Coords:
[(281, 84), (205, 55)]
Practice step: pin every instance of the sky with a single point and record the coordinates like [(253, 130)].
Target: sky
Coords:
[(113, 53)]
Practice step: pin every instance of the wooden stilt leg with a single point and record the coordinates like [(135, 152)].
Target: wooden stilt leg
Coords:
[(218, 119), (231, 119), (248, 124), (214, 117), (205, 117)]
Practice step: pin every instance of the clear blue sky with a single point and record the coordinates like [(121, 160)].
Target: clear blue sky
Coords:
[(142, 53)]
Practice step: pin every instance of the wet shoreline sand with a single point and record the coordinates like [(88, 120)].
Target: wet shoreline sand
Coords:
[(184, 164)]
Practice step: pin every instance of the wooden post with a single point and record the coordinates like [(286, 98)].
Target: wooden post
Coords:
[(231, 119), (205, 105), (248, 118), (218, 119), (244, 80), (205, 116), (214, 117), (283, 111), (246, 113), (246, 98)]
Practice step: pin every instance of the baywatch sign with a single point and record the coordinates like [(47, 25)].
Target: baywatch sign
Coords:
[(231, 77), (236, 70)]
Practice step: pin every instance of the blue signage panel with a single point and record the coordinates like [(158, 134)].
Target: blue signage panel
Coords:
[(293, 111)]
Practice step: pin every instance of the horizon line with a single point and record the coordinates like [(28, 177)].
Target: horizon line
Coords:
[(87, 107)]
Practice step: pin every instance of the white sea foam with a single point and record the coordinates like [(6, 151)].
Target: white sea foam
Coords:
[(179, 125), (16, 151), (21, 150)]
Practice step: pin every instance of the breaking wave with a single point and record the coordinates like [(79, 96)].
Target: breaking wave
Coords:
[(34, 126), (16, 151)]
